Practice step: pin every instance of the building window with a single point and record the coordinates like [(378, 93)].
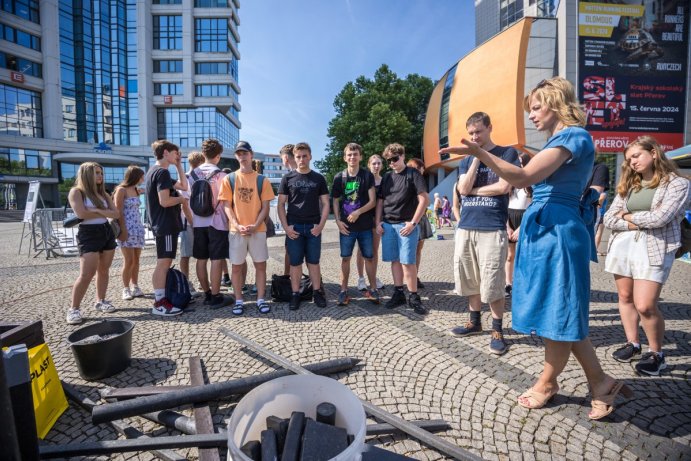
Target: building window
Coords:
[(8, 61), (169, 66), (20, 112), (211, 3), (168, 32), (20, 37), (168, 89), (26, 9), (211, 90), (167, 2), (444, 109), (25, 162), (212, 68), (211, 35), (188, 127)]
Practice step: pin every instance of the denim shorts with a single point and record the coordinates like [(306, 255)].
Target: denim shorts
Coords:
[(397, 248), (306, 246), (364, 241)]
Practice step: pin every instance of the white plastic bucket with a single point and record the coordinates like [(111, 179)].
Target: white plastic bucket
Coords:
[(283, 396)]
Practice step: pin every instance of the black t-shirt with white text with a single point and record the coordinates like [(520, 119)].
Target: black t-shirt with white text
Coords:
[(304, 192), (354, 196), (164, 221), (399, 192)]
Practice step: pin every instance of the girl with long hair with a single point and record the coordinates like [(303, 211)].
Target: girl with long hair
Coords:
[(644, 219), (552, 291), (95, 240), (126, 198), (375, 165)]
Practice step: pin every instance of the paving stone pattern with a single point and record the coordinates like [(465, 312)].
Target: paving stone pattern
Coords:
[(411, 366)]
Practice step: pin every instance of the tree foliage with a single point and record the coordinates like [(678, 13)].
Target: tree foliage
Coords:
[(376, 112)]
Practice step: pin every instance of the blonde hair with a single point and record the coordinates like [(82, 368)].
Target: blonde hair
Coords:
[(374, 157), (86, 184), (662, 167), (559, 96), (195, 159)]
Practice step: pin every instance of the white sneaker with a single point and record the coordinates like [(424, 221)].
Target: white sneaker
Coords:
[(137, 292), (105, 306), (126, 294), (379, 284), (361, 284), (165, 308), (193, 292), (74, 317)]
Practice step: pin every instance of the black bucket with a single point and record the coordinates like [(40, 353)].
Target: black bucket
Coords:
[(102, 358)]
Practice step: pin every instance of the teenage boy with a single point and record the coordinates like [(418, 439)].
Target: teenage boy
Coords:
[(247, 211), (288, 160), (164, 204), (481, 243), (194, 159), (211, 232), (354, 201), (401, 203), (305, 192)]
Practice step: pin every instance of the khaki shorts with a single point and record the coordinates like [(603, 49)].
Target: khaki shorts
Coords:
[(254, 244), (478, 263)]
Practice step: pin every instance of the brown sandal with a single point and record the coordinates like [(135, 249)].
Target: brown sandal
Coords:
[(533, 399), (604, 405)]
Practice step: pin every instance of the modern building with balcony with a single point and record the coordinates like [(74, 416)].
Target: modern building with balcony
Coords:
[(101, 80)]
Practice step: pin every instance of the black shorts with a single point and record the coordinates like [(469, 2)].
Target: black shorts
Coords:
[(210, 243), (167, 246), (515, 217), (95, 238)]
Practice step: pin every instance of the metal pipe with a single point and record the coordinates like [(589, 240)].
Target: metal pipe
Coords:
[(172, 419), (8, 432), (125, 408), (202, 414), (132, 392)]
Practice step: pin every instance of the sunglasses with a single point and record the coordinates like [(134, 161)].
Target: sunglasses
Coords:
[(393, 159), (543, 83)]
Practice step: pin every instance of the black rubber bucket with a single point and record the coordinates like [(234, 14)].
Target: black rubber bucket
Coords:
[(98, 359)]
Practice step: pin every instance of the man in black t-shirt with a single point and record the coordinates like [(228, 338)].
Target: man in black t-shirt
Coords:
[(354, 200), (163, 205), (303, 190), (400, 205)]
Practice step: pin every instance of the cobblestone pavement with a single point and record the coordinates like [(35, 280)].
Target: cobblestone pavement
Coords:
[(411, 366)]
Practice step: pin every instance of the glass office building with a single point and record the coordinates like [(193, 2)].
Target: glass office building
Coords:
[(103, 79)]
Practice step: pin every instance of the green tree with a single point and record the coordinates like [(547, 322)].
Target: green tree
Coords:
[(376, 112)]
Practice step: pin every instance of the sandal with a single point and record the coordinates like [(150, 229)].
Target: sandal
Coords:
[(533, 399), (238, 309), (264, 307), (604, 405)]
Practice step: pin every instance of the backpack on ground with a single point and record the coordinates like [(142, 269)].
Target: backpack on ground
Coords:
[(281, 289), (202, 195), (270, 226), (178, 288), (685, 228)]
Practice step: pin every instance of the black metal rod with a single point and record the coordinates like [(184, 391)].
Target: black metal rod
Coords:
[(121, 393), (432, 425), (8, 433), (106, 447), (126, 408), (172, 419), (444, 447)]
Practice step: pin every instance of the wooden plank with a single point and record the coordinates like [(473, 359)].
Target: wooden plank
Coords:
[(202, 413)]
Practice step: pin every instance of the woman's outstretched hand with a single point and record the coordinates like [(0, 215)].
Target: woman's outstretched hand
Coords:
[(466, 148)]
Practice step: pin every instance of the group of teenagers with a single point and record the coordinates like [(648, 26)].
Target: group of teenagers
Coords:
[(552, 225)]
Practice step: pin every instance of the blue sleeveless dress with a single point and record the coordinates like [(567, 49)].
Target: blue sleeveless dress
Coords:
[(551, 291)]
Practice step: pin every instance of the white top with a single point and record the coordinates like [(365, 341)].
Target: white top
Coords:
[(519, 200), (89, 205)]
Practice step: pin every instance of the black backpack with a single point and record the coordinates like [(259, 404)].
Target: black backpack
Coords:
[(282, 291), (177, 288), (202, 195)]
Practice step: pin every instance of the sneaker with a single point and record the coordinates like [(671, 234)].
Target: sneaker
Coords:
[(136, 292), (343, 298), (420, 285), (105, 306), (397, 299), (507, 291), (207, 298), (415, 303), (626, 353), (245, 289), (379, 284), (225, 281), (127, 294), (497, 345), (467, 330), (220, 300), (319, 299), (253, 290), (361, 284), (372, 296), (294, 302), (193, 291), (651, 364), (74, 317), (165, 308)]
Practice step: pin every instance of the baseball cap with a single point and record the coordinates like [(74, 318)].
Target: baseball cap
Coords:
[(243, 145)]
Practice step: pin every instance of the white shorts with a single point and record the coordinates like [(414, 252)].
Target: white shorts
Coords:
[(254, 244), (628, 257)]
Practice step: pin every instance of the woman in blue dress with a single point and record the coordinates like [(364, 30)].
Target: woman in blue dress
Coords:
[(552, 274)]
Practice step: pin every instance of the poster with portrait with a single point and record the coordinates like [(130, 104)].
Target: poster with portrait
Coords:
[(633, 70)]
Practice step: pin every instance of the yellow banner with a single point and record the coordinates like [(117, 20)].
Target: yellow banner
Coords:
[(585, 30), (607, 8)]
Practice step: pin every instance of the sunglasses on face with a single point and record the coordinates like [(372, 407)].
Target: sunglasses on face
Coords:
[(393, 159)]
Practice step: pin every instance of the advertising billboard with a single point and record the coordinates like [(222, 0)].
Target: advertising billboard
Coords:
[(632, 70)]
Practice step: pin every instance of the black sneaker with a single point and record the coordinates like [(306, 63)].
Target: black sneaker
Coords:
[(415, 303), (220, 300), (225, 281), (397, 299), (626, 353), (318, 298), (294, 302), (420, 285), (651, 364), (207, 298)]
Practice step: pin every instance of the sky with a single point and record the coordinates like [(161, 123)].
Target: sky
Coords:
[(297, 55)]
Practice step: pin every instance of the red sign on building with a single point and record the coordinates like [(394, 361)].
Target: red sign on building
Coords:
[(17, 77), (167, 100)]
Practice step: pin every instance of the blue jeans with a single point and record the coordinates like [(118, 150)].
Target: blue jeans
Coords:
[(365, 242), (397, 248), (306, 247)]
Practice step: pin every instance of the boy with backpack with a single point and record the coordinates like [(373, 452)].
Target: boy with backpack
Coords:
[(246, 195), (210, 223)]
